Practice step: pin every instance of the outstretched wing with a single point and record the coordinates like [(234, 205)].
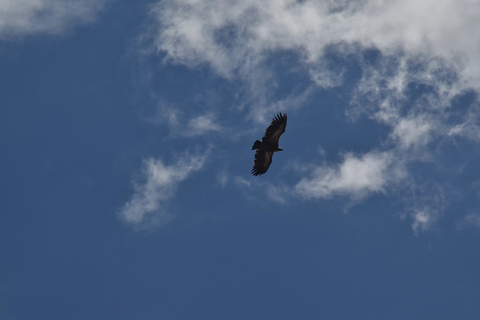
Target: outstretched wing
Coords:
[(275, 129), (263, 159)]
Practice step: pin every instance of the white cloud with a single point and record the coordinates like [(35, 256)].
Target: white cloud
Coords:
[(468, 127), (202, 125), (423, 218), (431, 43), (25, 17), (355, 177), (412, 132), (238, 34), (146, 206), (278, 193)]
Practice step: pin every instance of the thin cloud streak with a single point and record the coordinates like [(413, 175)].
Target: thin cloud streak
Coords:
[(470, 220), (146, 207), (26, 17)]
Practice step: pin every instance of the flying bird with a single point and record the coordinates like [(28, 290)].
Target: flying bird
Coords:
[(269, 144)]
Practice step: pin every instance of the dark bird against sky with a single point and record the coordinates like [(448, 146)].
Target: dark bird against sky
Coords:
[(269, 144)]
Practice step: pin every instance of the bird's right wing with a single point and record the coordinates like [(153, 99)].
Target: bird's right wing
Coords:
[(276, 128)]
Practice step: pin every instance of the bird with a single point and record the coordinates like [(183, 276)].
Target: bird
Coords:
[(269, 144)]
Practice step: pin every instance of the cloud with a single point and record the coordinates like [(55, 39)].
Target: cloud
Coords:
[(146, 207), (242, 182), (26, 17), (237, 35), (412, 131), (222, 178), (414, 60), (423, 219), (471, 219), (431, 44), (181, 122), (355, 177), (201, 125)]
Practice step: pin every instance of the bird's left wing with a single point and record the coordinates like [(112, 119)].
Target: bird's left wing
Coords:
[(263, 159)]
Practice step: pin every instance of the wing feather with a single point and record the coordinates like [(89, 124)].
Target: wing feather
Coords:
[(275, 129), (263, 159)]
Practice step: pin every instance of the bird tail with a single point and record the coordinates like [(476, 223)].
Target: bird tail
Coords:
[(257, 145)]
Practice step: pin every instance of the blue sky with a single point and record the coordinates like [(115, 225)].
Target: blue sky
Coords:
[(126, 130)]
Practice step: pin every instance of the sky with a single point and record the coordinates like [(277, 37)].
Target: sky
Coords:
[(126, 130)]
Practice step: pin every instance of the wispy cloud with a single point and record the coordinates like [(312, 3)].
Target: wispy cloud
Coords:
[(25, 17), (181, 122), (470, 220), (201, 125), (146, 207), (222, 178), (423, 218)]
